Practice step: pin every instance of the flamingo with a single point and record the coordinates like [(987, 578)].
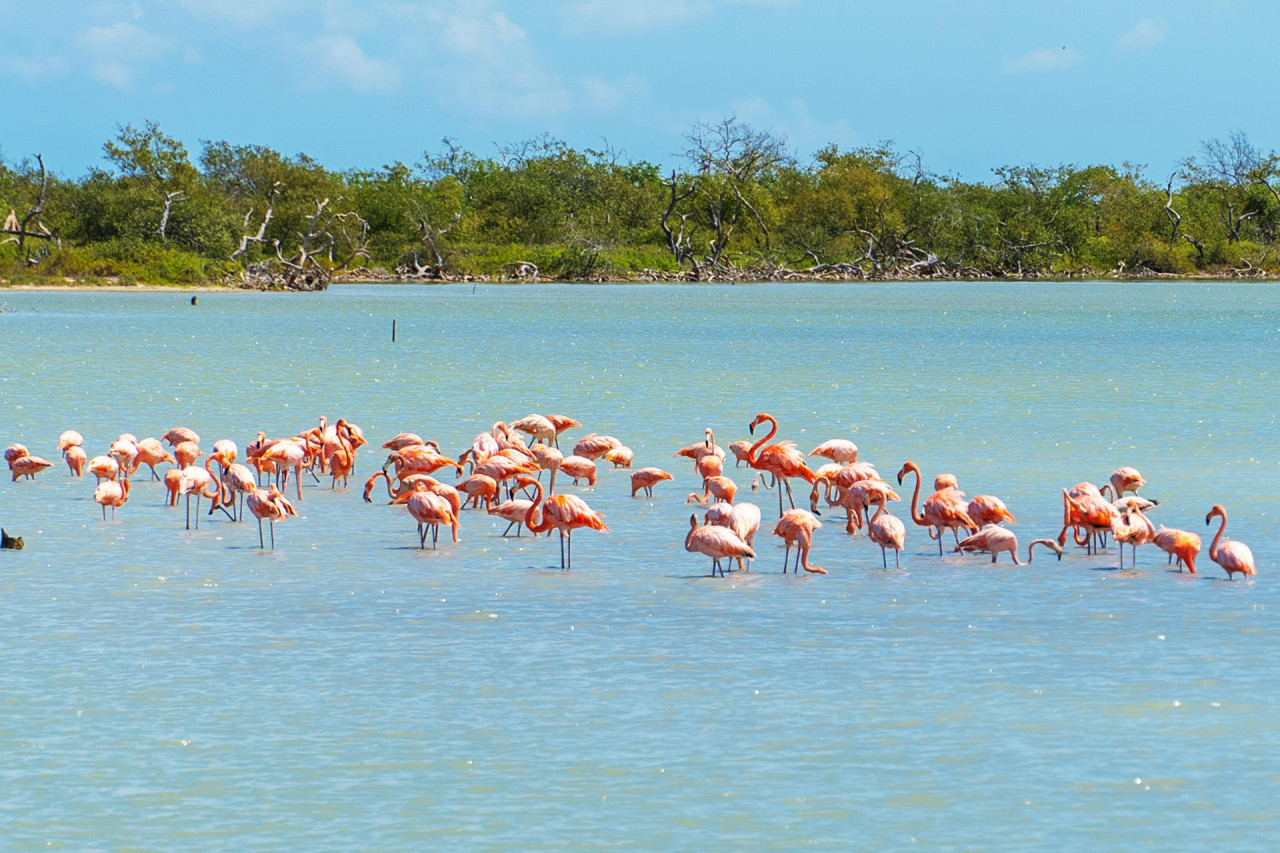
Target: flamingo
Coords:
[(1126, 479), (70, 438), (944, 509), (430, 510), (837, 450), (1231, 555), (286, 453), (561, 423), (716, 542), (594, 446), (647, 478), (185, 453), (782, 460), (109, 493), (172, 480), (202, 483), (151, 453), (796, 527), (273, 506), (177, 435), (28, 466), (75, 457), (740, 450), (537, 427), (14, 452), (993, 539), (513, 512), (719, 488), (579, 468), (621, 456), (565, 513), (237, 479), (1132, 529), (1084, 508), (125, 451), (405, 439), (1182, 544), (744, 520), (989, 509), (479, 487), (887, 531)]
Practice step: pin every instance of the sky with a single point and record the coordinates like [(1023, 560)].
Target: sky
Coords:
[(970, 86)]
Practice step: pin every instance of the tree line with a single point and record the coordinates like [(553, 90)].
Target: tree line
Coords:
[(743, 207)]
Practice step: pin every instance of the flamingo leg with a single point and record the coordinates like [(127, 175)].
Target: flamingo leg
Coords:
[(261, 543), (568, 536), (272, 525), (897, 562)]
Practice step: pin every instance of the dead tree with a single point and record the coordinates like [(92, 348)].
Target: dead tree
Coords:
[(678, 241), (170, 199), (19, 232), (246, 239)]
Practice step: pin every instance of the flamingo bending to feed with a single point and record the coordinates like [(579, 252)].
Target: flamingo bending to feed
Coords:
[(837, 450), (202, 483), (1182, 544), (28, 466), (796, 527), (594, 446), (647, 478), (1126, 479), (430, 510), (720, 488), (1133, 529), (561, 423), (1084, 509), (70, 438), (716, 542), (945, 509), (537, 427), (177, 435), (477, 488), (740, 450), (743, 519), (271, 505), (989, 509), (151, 453), (75, 457), (565, 513), (782, 460), (579, 468), (513, 512), (405, 439), (1231, 555), (887, 531), (109, 493), (621, 457), (993, 539)]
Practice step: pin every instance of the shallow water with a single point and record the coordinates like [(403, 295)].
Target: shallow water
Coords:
[(167, 688)]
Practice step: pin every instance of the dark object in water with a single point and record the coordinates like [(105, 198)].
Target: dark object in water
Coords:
[(193, 301), (10, 543)]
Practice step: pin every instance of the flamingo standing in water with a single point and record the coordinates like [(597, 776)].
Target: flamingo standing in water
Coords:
[(109, 493), (782, 460), (513, 512), (837, 450), (430, 510), (716, 542), (561, 423), (1182, 544), (71, 446), (1231, 555), (887, 531), (994, 539), (565, 513), (647, 478), (273, 506), (989, 509), (945, 509), (28, 466), (1126, 479), (152, 453), (1084, 509), (720, 488), (1133, 529), (796, 527), (202, 483)]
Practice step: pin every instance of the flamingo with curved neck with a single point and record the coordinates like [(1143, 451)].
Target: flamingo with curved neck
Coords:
[(1231, 555), (783, 460), (563, 512)]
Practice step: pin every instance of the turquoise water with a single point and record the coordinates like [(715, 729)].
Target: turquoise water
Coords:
[(168, 689)]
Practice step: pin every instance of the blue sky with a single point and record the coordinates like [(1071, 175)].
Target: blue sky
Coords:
[(969, 85)]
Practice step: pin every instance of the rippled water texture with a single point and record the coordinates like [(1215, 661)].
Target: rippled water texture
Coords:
[(169, 689)]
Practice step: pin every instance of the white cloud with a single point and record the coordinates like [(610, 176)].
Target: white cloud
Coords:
[(120, 53), (619, 17), (1148, 33), (242, 13), (34, 71), (1043, 59), (338, 62), (603, 96)]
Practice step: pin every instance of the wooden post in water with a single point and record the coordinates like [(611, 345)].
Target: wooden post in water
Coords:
[(393, 331)]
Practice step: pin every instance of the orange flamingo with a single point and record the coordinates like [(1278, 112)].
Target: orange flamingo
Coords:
[(1126, 479), (202, 483), (719, 488), (994, 539), (271, 505), (28, 466), (14, 452), (945, 509), (513, 512), (1231, 555), (109, 493), (177, 435), (579, 468), (621, 456), (537, 427), (430, 510), (565, 513), (1085, 510), (70, 438), (185, 453), (796, 528), (782, 460), (744, 520), (151, 453), (594, 446), (562, 423), (405, 439), (887, 531), (286, 453), (1132, 529), (718, 543), (647, 478), (989, 509), (740, 450), (837, 450), (125, 451), (477, 488), (172, 480), (1182, 544), (75, 457)]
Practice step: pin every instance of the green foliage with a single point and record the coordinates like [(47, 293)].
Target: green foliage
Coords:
[(742, 201)]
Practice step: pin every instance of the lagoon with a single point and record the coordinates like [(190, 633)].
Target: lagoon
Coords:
[(174, 689)]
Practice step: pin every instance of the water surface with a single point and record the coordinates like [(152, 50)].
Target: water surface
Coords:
[(167, 688)]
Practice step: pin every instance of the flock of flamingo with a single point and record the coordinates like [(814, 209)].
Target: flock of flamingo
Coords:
[(500, 458)]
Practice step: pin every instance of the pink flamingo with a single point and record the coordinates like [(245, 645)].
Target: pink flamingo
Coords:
[(796, 527), (1231, 555), (565, 513), (782, 460), (109, 493), (716, 542), (430, 510), (1182, 544), (994, 539), (271, 505), (647, 478), (887, 531)]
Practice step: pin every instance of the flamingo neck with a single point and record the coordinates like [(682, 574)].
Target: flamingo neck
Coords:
[(916, 515), (754, 449), (1213, 547)]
